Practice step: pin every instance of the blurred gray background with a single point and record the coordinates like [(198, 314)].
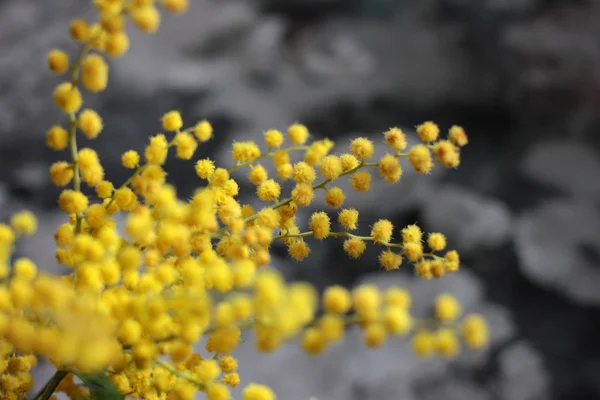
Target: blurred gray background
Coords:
[(523, 78)]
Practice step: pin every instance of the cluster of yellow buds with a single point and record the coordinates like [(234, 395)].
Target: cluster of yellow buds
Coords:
[(136, 303)]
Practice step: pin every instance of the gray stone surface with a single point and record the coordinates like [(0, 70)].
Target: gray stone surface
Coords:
[(522, 374), (472, 221), (558, 246), (572, 168)]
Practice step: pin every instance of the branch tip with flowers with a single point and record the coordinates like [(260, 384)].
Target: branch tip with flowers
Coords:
[(126, 320)]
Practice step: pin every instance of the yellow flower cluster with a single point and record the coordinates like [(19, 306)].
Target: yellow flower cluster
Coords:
[(136, 302), (442, 336)]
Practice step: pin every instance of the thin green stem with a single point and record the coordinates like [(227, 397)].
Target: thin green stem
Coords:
[(75, 163), (51, 385), (321, 185), (179, 374), (138, 171), (267, 153)]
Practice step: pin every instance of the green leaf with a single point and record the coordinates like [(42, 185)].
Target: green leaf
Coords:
[(101, 388)]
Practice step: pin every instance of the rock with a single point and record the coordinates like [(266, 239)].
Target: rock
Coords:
[(451, 389), (522, 374), (570, 167), (469, 220), (26, 84), (558, 246)]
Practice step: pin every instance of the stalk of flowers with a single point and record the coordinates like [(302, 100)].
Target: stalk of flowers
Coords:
[(125, 322)]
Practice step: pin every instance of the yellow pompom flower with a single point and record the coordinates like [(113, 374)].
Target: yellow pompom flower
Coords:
[(72, 202), (176, 6), (447, 308), (438, 268), (146, 18), (331, 167), (172, 121), (374, 335), (95, 216), (112, 23), (423, 269), (130, 159), (298, 250), (57, 137), (104, 189), (413, 251), (366, 299), (382, 231), (285, 171), (335, 197), (254, 391), (157, 149), (186, 145), (390, 168), (348, 218), (313, 341), (205, 168), (94, 73), (436, 241), (67, 97), (24, 223), (79, 29), (337, 300), (281, 157), (354, 247), (231, 379), (361, 181), (61, 173), (420, 158), (475, 331), (396, 139), (397, 297), (457, 135), (269, 190), (258, 174), (446, 153), (411, 233), (130, 332), (64, 235), (349, 162), (320, 225), (90, 123), (423, 344), (203, 131), (116, 44), (58, 61), (303, 194), (446, 343), (273, 138), (228, 364), (298, 133), (362, 148), (304, 173), (390, 260), (125, 198), (332, 327), (397, 320), (428, 131), (24, 269), (245, 151)]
